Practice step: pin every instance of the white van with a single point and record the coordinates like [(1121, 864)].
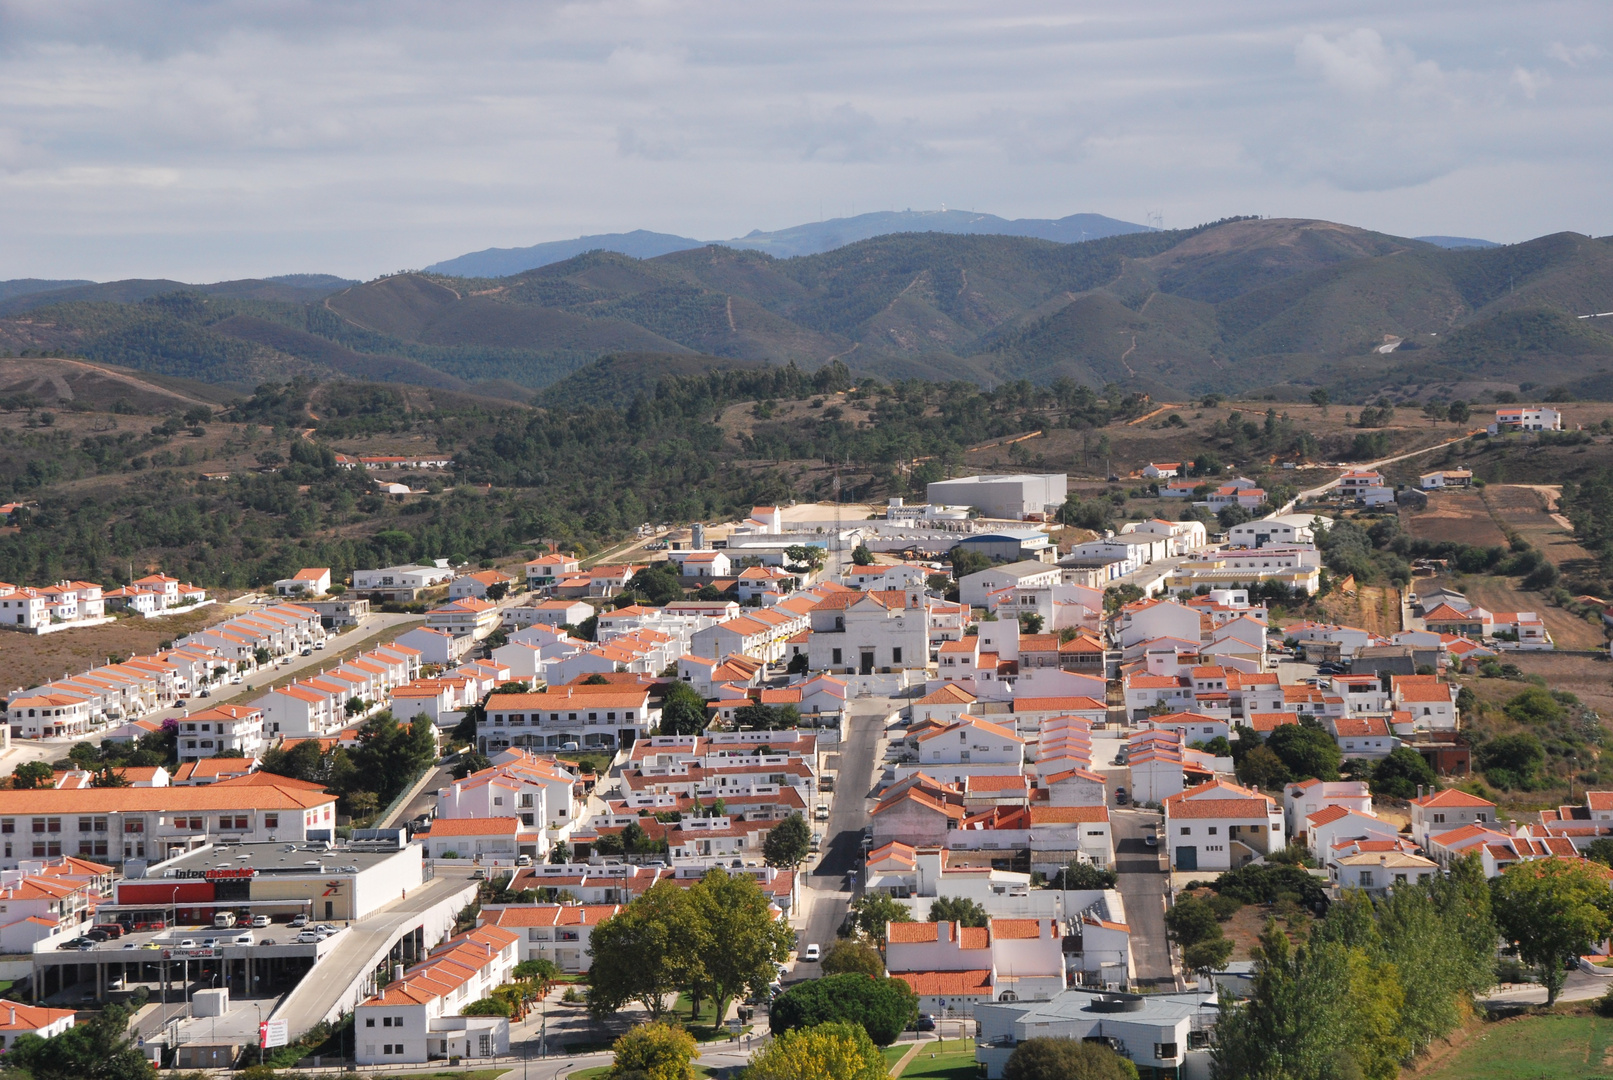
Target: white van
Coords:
[(224, 920)]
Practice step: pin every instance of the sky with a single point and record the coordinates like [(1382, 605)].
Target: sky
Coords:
[(211, 140)]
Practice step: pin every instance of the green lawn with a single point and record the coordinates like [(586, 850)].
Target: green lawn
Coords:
[(893, 1054), (957, 1062), (1542, 1047)]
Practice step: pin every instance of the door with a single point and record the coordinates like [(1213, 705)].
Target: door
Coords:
[(330, 909), (1187, 858), (867, 663)]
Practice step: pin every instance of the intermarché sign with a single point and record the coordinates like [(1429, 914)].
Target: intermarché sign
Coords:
[(226, 874)]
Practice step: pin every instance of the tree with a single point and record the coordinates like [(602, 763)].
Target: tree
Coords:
[(1459, 412), (470, 762), (487, 1006), (32, 774), (861, 555), (1553, 910), (1030, 623), (735, 916), (1534, 706), (540, 972), (966, 562), (1306, 751), (766, 717), (1293, 1023), (958, 909), (1511, 760), (848, 956), (95, 1049), (788, 842), (1066, 1059), (1262, 768), (884, 1007), (832, 1051), (684, 711), (1600, 850), (649, 950), (1208, 955), (1084, 875), (1320, 397), (560, 854), (653, 1051), (1191, 921), (1399, 775), (873, 912)]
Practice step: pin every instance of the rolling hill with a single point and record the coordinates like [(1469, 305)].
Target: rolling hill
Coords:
[(810, 239), (1269, 305)]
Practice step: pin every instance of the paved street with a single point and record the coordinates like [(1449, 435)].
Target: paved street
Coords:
[(824, 893), (1142, 886)]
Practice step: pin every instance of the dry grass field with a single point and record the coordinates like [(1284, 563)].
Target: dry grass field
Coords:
[(28, 659), (1454, 517)]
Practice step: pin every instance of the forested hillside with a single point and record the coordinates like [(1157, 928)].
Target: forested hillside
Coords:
[(1284, 306)]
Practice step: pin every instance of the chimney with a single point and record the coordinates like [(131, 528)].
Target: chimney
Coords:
[(943, 930)]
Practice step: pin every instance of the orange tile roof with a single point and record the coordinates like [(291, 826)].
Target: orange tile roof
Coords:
[(950, 984)]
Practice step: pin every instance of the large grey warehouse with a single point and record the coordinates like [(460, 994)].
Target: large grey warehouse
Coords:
[(1015, 497)]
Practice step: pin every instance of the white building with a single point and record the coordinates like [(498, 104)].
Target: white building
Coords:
[(976, 589), (1016, 497), (1526, 418), (1217, 826), (222, 728), (418, 1018), (868, 632), (310, 581)]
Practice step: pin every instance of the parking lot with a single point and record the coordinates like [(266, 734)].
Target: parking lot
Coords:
[(176, 959)]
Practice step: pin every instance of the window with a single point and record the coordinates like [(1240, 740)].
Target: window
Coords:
[(271, 821), (1439, 819), (386, 1021), (53, 825), (134, 825), (1164, 1051), (8, 825), (1214, 829), (896, 656), (1187, 830), (1366, 879), (369, 1021), (37, 824), (835, 657)]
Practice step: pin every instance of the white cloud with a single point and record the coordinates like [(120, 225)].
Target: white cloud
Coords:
[(214, 138)]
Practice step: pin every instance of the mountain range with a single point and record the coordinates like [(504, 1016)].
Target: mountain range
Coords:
[(810, 239), (1244, 305)]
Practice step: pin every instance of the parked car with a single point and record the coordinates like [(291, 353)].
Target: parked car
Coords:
[(243, 939), (73, 944), (260, 921), (925, 1022), (151, 945), (308, 937), (268, 941), (298, 920), (821, 813), (97, 935), (110, 929), (1151, 840), (209, 942), (1120, 796), (811, 955), (186, 943)]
